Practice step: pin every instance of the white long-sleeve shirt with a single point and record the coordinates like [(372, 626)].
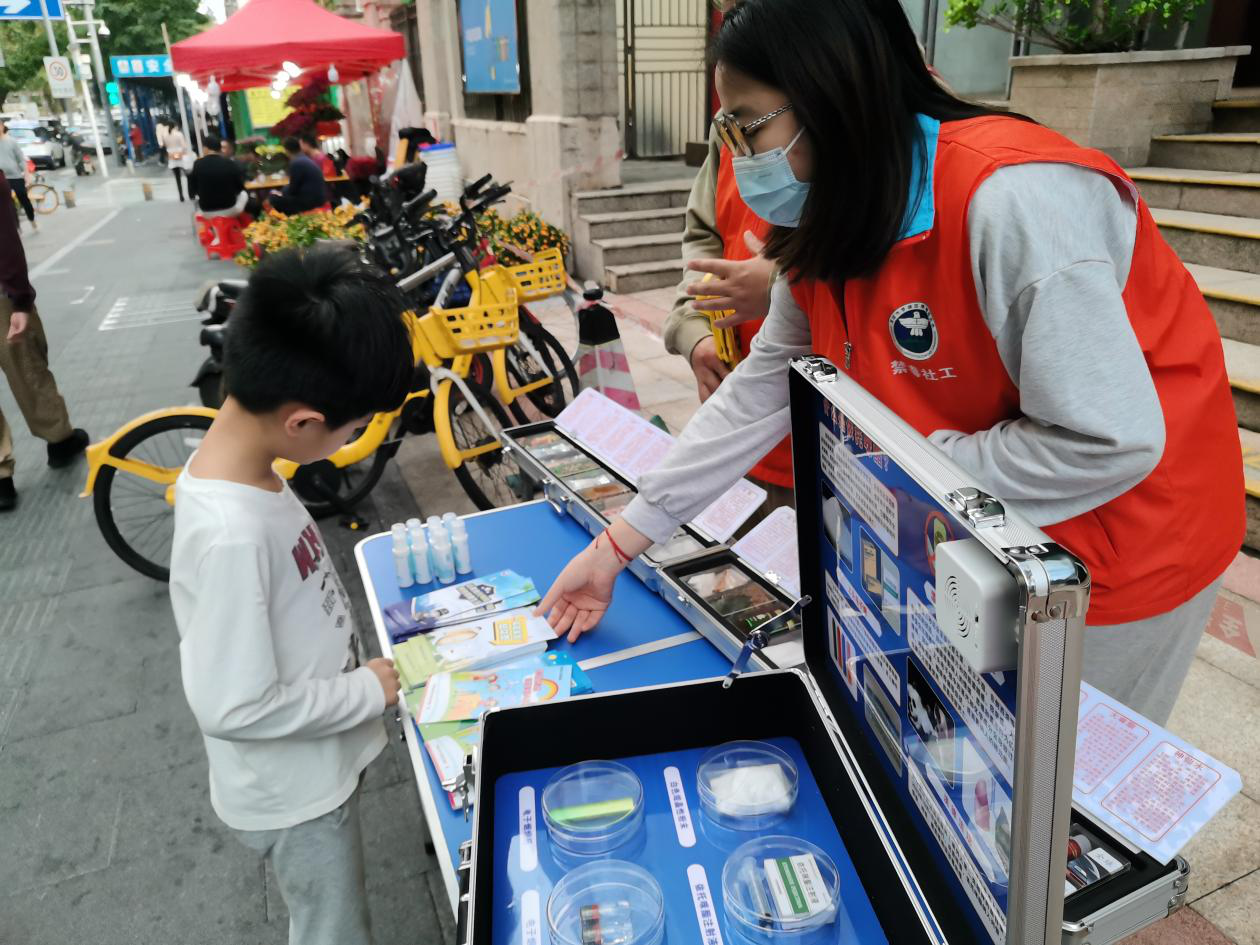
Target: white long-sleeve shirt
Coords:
[(265, 630), (1051, 247)]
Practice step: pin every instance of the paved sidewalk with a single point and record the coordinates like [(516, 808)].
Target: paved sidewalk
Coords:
[(105, 824)]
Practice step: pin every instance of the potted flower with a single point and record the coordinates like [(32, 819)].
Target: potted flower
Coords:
[(1101, 87), (274, 231)]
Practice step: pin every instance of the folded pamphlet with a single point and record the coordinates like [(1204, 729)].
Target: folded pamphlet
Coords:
[(468, 600), (476, 644), (450, 697)]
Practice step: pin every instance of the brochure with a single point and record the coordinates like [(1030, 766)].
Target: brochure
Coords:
[(450, 697), (476, 644), (459, 602), (448, 744), (771, 549), (1141, 781)]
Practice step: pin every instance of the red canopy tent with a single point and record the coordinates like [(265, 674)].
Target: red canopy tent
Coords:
[(249, 49)]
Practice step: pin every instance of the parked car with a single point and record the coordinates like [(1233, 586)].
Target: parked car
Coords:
[(89, 135), (38, 144)]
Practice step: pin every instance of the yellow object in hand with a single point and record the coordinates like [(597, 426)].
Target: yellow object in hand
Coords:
[(725, 341)]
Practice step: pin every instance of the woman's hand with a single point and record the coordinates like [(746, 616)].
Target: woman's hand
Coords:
[(582, 592), (742, 286)]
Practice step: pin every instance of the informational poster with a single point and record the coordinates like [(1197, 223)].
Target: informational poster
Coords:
[(265, 111), (945, 732), (491, 59)]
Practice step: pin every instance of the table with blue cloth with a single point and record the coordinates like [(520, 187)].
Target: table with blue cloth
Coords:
[(640, 642)]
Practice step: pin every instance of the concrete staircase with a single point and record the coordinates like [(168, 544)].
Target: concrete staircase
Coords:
[(630, 238), (1204, 192)]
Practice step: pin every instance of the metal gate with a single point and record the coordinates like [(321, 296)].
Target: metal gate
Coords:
[(664, 82)]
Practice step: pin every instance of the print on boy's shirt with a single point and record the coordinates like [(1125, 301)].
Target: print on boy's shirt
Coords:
[(309, 551)]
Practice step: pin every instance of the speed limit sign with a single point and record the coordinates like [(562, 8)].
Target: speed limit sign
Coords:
[(60, 78)]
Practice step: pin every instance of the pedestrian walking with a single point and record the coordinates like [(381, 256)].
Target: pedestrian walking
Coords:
[(13, 163), (137, 143), (1005, 291), (24, 361), (180, 158), (162, 131)]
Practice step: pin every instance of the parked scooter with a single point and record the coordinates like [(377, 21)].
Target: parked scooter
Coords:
[(217, 301)]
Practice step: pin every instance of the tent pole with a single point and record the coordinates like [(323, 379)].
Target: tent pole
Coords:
[(179, 93)]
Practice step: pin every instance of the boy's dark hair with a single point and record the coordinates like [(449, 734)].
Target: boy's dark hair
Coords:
[(320, 327), (291, 145), (855, 77), (212, 142), (310, 140)]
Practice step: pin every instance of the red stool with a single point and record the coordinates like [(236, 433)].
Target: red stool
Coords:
[(229, 238), (205, 236)]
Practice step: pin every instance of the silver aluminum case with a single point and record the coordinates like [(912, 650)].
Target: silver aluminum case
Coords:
[(1054, 593)]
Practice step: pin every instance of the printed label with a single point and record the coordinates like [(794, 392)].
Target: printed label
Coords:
[(859, 630), (796, 886), (679, 807), (1105, 737), (706, 914), (861, 488), (973, 883), (531, 918), (857, 603), (529, 831), (1161, 790), (1105, 860), (986, 716), (510, 631)]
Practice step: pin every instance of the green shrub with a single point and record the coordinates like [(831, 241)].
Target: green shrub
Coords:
[(1075, 26)]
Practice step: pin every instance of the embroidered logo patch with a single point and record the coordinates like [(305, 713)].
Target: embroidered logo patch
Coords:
[(913, 331)]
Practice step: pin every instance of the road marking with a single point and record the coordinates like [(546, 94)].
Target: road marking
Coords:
[(100, 243), (88, 290), (146, 311), (74, 244)]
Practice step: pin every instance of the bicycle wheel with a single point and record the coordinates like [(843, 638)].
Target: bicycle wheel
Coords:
[(350, 484), (552, 361), (492, 480), (43, 198), (135, 518)]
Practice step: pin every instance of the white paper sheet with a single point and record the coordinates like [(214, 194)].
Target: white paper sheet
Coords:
[(1143, 782), (771, 549), (634, 446)]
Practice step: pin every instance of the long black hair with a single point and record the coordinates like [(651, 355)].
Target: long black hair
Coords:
[(856, 78)]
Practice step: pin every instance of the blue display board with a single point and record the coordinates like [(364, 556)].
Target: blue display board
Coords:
[(487, 29), (30, 10), (144, 66), (944, 733), (525, 872)]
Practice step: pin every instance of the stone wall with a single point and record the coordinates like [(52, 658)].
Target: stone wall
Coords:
[(1117, 101), (572, 140)]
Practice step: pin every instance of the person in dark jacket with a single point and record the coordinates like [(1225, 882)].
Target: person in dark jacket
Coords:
[(306, 189), (24, 361), (217, 182)]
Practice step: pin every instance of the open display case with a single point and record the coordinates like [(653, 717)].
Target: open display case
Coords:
[(929, 736)]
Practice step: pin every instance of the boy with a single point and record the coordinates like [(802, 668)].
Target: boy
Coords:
[(315, 346)]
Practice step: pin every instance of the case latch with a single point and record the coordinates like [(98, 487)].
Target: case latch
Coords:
[(981, 509), (759, 639), (819, 368), (466, 781)]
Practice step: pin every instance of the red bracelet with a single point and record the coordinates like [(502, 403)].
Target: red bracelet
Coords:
[(616, 549)]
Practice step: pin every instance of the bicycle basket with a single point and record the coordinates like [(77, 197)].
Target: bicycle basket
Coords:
[(490, 321), (541, 278)]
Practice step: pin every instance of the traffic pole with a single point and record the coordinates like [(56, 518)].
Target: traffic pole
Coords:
[(99, 66), (179, 93), (52, 40)]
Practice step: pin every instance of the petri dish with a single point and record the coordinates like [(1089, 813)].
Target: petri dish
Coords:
[(608, 902), (780, 890), (747, 785), (594, 807)]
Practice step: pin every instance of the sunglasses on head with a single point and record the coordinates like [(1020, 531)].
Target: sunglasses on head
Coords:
[(735, 136)]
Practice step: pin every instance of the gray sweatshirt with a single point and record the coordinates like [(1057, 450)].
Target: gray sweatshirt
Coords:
[(1051, 246), (12, 160)]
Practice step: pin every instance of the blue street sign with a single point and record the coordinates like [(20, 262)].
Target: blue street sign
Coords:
[(150, 66), (29, 9)]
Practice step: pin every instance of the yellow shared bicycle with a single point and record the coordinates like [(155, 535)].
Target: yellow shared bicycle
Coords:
[(131, 474)]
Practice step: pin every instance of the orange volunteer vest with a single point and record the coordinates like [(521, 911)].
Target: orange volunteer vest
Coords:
[(733, 218), (920, 344)]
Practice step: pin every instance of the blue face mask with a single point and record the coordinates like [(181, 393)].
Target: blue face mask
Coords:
[(768, 186)]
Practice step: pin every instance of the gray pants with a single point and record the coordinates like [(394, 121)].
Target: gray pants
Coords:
[(320, 867), (1144, 663)]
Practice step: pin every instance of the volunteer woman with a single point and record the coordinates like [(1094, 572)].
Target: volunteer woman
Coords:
[(1002, 289)]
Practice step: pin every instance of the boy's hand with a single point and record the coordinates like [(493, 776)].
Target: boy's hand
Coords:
[(388, 676)]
